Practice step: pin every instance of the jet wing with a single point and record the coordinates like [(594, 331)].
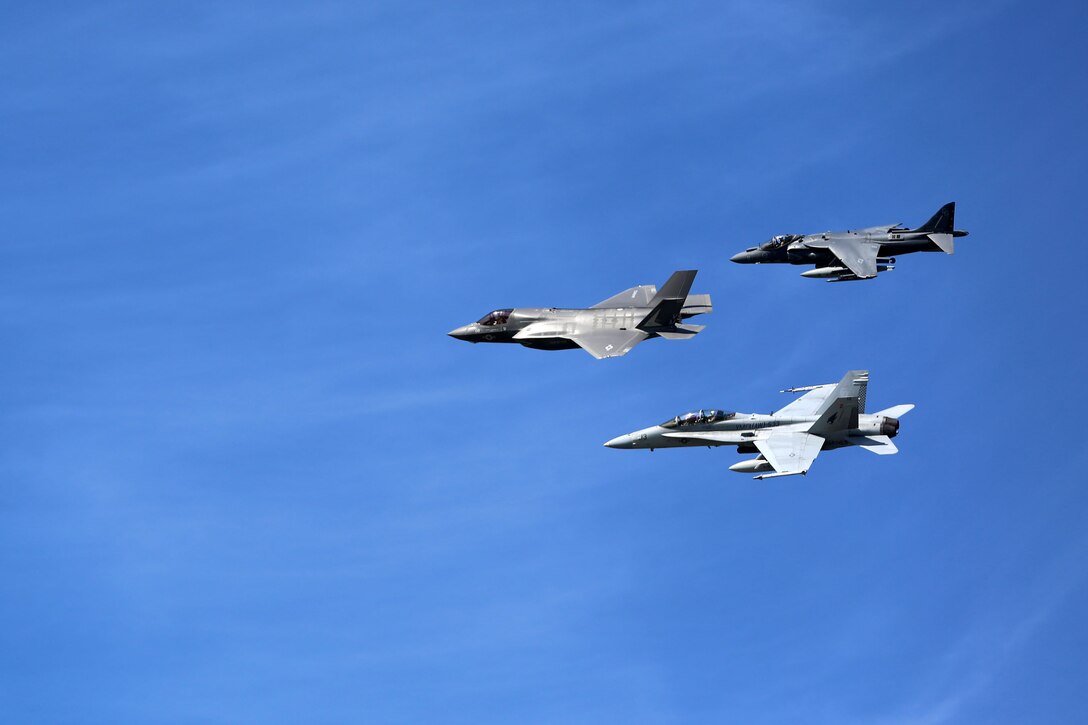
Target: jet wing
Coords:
[(858, 255), (808, 404), (635, 297), (789, 452), (608, 343), (817, 400)]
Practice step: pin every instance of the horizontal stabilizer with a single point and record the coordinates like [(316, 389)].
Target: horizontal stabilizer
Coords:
[(897, 411), (680, 332), (880, 445), (696, 305), (944, 241)]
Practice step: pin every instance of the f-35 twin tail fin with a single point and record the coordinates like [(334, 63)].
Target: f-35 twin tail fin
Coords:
[(668, 303)]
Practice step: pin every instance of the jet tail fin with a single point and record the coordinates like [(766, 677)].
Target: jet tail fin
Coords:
[(676, 287), (854, 384), (669, 301), (841, 415), (844, 402), (943, 222)]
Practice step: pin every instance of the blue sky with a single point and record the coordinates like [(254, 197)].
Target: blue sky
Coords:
[(246, 477)]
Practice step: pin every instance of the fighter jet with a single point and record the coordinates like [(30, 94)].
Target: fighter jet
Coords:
[(788, 441), (856, 253), (607, 329)]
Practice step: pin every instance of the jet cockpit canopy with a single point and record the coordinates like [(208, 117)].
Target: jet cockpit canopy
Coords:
[(498, 317), (778, 241), (700, 417)]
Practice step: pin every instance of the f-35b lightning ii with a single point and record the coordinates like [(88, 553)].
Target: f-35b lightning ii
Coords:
[(788, 441), (607, 329), (857, 253)]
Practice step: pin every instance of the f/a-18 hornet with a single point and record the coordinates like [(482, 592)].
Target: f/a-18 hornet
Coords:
[(856, 253), (788, 441), (607, 329)]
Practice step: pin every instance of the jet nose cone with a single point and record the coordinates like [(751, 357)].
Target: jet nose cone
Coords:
[(623, 441), (461, 333), (739, 257)]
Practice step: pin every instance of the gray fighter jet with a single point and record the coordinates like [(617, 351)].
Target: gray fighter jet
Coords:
[(788, 441), (607, 329), (856, 253)]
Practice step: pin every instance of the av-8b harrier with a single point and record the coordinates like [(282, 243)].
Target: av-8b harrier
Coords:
[(788, 440), (607, 329), (857, 253)]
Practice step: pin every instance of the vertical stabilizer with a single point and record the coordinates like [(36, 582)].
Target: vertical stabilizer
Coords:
[(676, 287), (943, 222), (669, 301), (853, 385)]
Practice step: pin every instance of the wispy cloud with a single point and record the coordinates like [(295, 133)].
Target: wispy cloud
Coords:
[(976, 662)]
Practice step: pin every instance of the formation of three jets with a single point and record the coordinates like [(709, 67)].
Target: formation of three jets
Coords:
[(788, 441)]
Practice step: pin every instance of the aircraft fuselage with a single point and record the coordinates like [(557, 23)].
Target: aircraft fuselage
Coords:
[(551, 326), (812, 248), (743, 429)]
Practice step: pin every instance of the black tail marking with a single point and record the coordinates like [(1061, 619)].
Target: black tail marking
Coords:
[(943, 222)]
